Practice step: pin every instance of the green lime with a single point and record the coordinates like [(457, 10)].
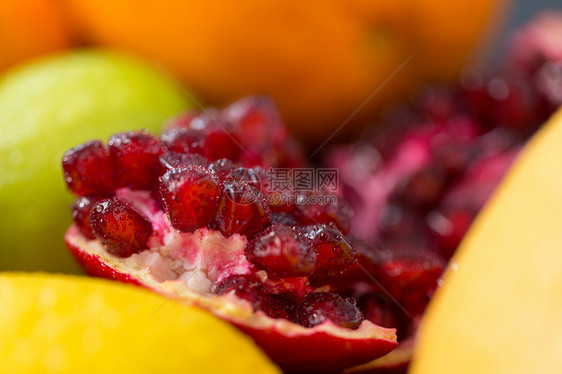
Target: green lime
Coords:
[(47, 107)]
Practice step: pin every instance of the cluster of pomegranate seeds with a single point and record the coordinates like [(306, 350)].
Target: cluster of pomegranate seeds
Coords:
[(210, 171), (417, 180)]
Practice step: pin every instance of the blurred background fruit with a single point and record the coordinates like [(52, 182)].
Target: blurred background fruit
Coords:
[(319, 60), (499, 308), (68, 324), (47, 107), (29, 28)]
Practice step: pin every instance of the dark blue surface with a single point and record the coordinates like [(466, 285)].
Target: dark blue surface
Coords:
[(523, 10)]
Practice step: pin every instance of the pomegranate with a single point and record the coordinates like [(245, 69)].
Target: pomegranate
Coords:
[(187, 215)]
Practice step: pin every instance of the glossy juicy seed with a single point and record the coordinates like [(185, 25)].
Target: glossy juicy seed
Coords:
[(379, 310), (135, 158), (318, 307), (120, 227), (256, 118), (87, 169), (183, 140), (222, 168), (283, 218), (220, 139), (220, 144), (190, 197), (410, 275), (334, 253), (252, 176), (242, 209), (259, 125), (172, 160), (280, 306), (338, 212), (246, 287), (283, 251), (81, 209)]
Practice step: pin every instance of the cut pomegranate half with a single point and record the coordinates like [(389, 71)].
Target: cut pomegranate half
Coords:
[(325, 347), (189, 224)]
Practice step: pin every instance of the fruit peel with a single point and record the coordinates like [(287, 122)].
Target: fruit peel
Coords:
[(323, 348)]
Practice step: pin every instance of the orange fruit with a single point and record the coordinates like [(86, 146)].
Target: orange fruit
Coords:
[(320, 60), (30, 28)]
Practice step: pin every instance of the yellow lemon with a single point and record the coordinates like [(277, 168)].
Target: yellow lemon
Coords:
[(71, 324)]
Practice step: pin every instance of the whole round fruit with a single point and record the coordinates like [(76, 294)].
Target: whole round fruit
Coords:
[(31, 28), (69, 324), (499, 308), (319, 60), (45, 108)]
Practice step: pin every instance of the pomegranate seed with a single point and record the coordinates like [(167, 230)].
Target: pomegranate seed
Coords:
[(220, 144), (318, 307), (190, 197), (183, 140), (242, 209), (283, 218), (135, 157), (246, 287), (379, 310), (282, 251), (174, 160), (280, 306), (87, 169), (339, 213), (410, 275), (252, 176), (81, 209), (220, 138), (334, 252), (222, 168), (257, 120), (120, 227)]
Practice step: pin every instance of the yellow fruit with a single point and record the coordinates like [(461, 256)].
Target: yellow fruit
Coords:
[(69, 324), (320, 60), (499, 310), (47, 107)]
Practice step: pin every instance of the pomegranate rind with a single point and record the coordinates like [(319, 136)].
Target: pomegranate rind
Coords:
[(323, 348), (395, 362)]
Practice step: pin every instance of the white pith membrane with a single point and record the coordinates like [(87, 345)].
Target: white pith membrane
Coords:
[(186, 266)]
